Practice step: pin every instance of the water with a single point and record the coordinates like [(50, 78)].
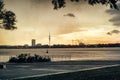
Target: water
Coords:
[(59, 54)]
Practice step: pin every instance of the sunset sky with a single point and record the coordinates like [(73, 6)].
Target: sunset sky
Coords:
[(77, 21)]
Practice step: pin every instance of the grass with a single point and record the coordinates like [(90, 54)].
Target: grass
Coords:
[(109, 73)]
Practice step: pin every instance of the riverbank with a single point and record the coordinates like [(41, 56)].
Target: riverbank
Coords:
[(106, 73), (43, 69)]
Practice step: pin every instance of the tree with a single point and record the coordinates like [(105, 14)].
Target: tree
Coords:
[(61, 3), (7, 18)]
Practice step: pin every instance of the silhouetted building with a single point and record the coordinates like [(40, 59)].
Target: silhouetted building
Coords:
[(33, 42), (26, 46), (38, 44)]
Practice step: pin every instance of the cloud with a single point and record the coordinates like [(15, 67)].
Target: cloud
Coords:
[(113, 32), (70, 15), (116, 16), (66, 29)]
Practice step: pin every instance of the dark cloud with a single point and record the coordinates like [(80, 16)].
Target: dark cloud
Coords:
[(113, 32), (70, 15), (109, 33), (116, 20), (116, 16)]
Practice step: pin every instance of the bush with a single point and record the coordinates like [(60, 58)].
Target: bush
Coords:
[(27, 58)]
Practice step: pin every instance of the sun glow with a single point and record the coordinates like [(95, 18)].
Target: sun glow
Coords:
[(87, 24), (94, 32)]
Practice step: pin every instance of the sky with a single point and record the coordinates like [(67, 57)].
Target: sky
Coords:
[(77, 21)]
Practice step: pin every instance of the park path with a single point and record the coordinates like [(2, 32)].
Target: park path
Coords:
[(23, 70)]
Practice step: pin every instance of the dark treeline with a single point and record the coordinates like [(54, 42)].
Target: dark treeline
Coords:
[(81, 45), (87, 46)]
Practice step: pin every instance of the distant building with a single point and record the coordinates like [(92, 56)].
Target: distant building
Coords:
[(38, 44), (33, 42), (26, 45)]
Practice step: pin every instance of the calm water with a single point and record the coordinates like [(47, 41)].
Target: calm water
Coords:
[(59, 54)]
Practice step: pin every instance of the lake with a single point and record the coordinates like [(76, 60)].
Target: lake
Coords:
[(62, 54)]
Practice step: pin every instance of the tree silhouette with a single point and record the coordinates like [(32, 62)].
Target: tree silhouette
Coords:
[(61, 3), (7, 18)]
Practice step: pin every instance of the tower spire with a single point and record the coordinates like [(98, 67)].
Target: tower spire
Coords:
[(49, 39)]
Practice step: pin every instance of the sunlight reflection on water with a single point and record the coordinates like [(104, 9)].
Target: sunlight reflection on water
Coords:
[(4, 58)]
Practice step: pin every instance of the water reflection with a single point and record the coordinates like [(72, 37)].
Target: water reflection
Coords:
[(62, 54), (4, 58)]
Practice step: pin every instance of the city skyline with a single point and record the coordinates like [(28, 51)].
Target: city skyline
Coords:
[(77, 43), (89, 24)]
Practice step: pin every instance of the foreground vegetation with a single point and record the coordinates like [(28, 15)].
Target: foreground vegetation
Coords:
[(109, 73), (27, 58)]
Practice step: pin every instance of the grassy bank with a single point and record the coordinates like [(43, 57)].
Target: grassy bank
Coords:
[(109, 73)]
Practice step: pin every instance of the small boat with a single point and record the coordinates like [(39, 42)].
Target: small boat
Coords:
[(47, 51)]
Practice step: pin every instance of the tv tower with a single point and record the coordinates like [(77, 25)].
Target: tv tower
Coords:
[(49, 39)]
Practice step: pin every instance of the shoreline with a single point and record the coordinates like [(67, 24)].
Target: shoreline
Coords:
[(75, 62)]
